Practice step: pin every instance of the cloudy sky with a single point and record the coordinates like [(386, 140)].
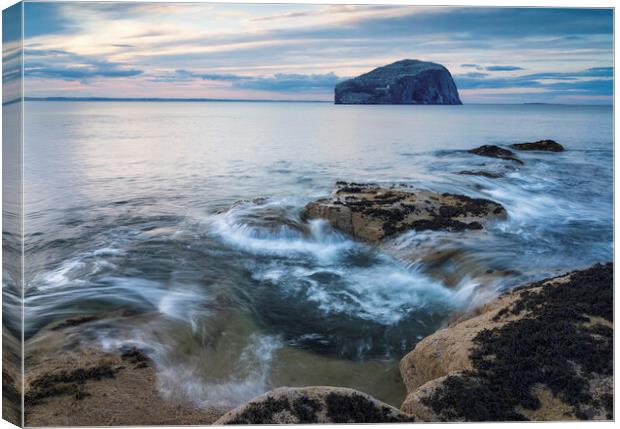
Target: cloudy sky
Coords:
[(496, 55)]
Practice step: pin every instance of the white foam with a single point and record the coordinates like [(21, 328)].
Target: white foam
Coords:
[(185, 383), (383, 291), (321, 243)]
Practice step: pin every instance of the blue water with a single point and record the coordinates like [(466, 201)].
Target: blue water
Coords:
[(127, 218)]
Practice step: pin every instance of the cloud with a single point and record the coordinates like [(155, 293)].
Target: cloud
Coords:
[(45, 19), (279, 82), (292, 83), (64, 65), (78, 73), (11, 24), (473, 75), (503, 68), (594, 81)]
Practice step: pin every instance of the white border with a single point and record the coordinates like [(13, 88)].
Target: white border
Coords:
[(504, 3)]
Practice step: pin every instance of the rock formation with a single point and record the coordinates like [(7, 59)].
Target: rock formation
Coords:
[(402, 82), (540, 352), (371, 213), (543, 145), (316, 404), (492, 151)]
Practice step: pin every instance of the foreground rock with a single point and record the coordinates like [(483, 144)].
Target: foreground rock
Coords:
[(317, 404), (402, 82), (11, 377), (371, 213), (72, 383), (540, 352), (492, 151), (543, 145)]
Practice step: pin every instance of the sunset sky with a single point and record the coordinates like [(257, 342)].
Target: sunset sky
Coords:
[(496, 55)]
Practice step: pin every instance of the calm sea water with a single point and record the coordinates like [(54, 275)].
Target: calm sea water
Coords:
[(126, 218)]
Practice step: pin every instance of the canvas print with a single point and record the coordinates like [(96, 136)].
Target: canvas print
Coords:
[(220, 213)]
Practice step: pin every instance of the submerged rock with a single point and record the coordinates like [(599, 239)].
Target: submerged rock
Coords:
[(402, 82), (487, 174), (543, 145), (540, 352), (371, 213), (316, 404), (493, 151)]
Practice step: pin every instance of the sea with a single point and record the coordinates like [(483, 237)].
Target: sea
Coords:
[(177, 225)]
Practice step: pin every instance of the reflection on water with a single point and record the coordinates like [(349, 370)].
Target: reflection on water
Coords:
[(127, 218)]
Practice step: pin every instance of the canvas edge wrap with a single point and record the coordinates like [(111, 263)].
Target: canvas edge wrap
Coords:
[(12, 215)]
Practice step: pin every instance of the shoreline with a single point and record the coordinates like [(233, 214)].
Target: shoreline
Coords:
[(84, 386), (71, 383)]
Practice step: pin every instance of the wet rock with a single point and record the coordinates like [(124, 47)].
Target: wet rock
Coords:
[(316, 404), (493, 151), (135, 356), (540, 352), (74, 321), (543, 145), (402, 82), (371, 213), (487, 174), (75, 383)]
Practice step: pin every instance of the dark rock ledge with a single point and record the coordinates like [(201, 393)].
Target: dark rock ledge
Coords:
[(492, 151), (542, 145)]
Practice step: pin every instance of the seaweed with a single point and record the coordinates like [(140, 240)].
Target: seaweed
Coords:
[(306, 409), (550, 346), (355, 408), (341, 408), (261, 412), (136, 356), (75, 321), (66, 383)]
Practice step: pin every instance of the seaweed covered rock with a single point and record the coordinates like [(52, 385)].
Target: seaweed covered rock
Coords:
[(543, 351), (371, 213), (402, 82), (543, 145), (492, 151), (316, 404)]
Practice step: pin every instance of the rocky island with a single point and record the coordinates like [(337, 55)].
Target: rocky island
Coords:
[(402, 82)]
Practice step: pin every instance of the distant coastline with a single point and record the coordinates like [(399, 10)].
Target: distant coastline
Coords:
[(234, 100)]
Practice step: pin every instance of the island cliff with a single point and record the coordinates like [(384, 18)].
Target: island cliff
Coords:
[(402, 82)]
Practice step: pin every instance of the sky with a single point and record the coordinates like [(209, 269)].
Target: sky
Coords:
[(299, 52)]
